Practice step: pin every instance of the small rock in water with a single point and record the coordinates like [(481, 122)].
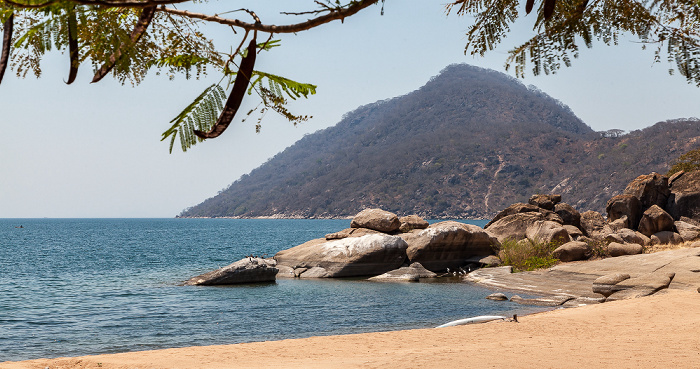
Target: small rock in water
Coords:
[(497, 297)]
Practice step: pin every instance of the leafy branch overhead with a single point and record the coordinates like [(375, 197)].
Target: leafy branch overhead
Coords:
[(129, 38)]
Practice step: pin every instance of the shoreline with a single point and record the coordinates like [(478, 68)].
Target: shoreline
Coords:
[(654, 331)]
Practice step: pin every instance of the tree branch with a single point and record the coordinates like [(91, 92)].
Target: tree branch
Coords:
[(291, 28), (110, 3)]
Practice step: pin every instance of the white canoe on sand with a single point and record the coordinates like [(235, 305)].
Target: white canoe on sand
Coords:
[(474, 320)]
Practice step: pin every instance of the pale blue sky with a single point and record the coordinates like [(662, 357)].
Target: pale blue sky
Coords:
[(93, 150)]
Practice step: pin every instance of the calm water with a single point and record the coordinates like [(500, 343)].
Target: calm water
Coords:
[(85, 286)]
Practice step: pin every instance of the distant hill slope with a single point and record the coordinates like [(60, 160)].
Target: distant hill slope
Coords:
[(466, 145)]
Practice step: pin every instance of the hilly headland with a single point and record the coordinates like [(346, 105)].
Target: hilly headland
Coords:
[(466, 145)]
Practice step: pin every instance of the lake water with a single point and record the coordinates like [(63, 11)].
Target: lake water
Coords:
[(73, 287)]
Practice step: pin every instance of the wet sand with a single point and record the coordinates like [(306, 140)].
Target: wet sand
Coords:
[(659, 331)]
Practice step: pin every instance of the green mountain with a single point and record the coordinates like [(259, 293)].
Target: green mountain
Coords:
[(466, 145)]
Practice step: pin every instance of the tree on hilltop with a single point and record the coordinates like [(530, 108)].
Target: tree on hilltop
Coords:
[(128, 38)]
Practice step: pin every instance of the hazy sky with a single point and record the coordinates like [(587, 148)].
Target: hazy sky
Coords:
[(93, 150)]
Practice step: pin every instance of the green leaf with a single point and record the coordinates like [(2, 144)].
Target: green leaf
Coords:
[(201, 114)]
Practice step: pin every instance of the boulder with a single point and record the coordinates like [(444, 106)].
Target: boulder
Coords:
[(620, 249), (666, 238), (625, 205), (285, 272), (545, 201), (513, 209), (688, 231), (497, 297), (650, 189), (411, 273), (568, 214), (641, 286), (572, 251), (448, 244), (573, 231), (351, 232), (411, 222), (315, 272), (684, 200), (376, 219), (630, 236), (371, 254), (546, 231), (514, 226), (616, 225), (248, 270), (655, 220), (592, 223), (605, 285)]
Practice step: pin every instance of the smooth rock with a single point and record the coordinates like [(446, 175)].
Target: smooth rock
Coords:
[(644, 285), (371, 254), (248, 270), (654, 220), (411, 222), (411, 273), (650, 189), (573, 231), (513, 209), (376, 219), (625, 205), (583, 301), (630, 236), (514, 226), (547, 232), (572, 251), (497, 297), (688, 231), (285, 272), (666, 238), (542, 301), (684, 200), (619, 249), (351, 232), (605, 285), (315, 272), (448, 244)]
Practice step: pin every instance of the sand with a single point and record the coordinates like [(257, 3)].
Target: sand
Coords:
[(660, 331)]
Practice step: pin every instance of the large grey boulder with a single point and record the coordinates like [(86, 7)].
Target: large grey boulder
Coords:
[(592, 222), (371, 254), (568, 214), (625, 205), (545, 201), (650, 189), (654, 220), (411, 273), (514, 226), (448, 245), (377, 219), (572, 251), (684, 200), (630, 236), (621, 249), (411, 222), (666, 238), (546, 231), (688, 231), (248, 270)]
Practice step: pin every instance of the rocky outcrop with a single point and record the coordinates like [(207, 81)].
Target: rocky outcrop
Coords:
[(514, 226), (641, 286), (412, 222), (513, 209), (545, 201), (605, 285), (568, 214), (411, 273), (650, 189), (350, 232), (248, 270), (572, 251), (592, 223), (684, 200), (625, 206), (376, 219), (372, 254), (448, 244), (655, 220), (688, 231)]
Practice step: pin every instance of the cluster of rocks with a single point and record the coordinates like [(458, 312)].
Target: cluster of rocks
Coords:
[(379, 244)]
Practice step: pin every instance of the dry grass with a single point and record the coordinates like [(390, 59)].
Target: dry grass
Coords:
[(665, 247)]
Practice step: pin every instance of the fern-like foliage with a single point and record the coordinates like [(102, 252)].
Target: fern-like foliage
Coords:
[(281, 86), (201, 114)]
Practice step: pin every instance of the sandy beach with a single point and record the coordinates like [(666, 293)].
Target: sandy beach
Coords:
[(659, 331)]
